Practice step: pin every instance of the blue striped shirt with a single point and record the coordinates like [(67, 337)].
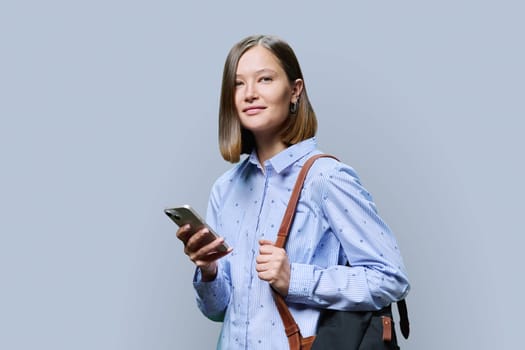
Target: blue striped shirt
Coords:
[(336, 222)]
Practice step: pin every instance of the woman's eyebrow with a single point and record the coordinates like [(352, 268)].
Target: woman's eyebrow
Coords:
[(265, 70), (259, 71)]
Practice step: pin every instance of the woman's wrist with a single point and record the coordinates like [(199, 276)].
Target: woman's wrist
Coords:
[(208, 273)]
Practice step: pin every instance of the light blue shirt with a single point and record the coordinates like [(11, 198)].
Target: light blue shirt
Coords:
[(336, 222)]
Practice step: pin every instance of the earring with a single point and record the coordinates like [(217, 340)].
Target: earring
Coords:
[(293, 107)]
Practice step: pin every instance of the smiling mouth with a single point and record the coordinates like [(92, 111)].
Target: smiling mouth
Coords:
[(253, 110)]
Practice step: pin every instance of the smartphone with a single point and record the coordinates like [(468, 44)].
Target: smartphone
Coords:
[(187, 215)]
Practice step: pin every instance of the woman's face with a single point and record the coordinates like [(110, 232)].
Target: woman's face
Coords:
[(263, 93)]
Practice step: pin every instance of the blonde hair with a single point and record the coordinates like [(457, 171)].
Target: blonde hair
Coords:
[(235, 140)]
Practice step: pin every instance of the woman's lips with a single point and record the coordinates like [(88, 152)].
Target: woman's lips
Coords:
[(253, 110)]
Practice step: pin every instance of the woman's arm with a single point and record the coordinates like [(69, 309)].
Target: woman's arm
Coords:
[(213, 296), (376, 276), (211, 281)]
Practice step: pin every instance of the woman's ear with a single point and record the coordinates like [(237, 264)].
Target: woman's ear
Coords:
[(297, 88)]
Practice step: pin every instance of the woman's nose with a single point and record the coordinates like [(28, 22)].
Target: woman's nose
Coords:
[(250, 93)]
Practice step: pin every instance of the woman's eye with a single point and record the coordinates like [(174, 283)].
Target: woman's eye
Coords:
[(266, 79), (238, 83)]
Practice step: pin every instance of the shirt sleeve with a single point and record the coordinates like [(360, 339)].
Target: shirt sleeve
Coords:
[(213, 296), (376, 274)]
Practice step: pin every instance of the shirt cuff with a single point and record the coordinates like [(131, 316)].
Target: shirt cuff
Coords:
[(211, 288), (212, 296), (301, 282)]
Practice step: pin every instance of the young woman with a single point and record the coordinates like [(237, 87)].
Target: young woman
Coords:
[(340, 255)]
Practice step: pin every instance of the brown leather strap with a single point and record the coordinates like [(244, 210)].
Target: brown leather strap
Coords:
[(307, 343), (387, 328), (289, 214), (291, 328)]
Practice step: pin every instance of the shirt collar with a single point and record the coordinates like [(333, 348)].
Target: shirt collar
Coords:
[(288, 156)]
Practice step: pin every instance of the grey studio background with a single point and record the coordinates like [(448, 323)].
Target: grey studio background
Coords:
[(109, 114)]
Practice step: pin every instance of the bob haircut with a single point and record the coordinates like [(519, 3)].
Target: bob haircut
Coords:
[(235, 140)]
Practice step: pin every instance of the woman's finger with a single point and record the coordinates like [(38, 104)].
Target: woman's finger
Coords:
[(184, 233)]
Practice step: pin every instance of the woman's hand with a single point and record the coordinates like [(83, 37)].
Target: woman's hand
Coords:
[(203, 255), (273, 266)]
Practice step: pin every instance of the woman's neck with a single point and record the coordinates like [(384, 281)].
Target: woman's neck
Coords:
[(266, 149)]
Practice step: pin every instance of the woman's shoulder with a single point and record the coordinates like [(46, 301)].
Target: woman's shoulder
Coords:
[(331, 167), (329, 175), (230, 175)]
